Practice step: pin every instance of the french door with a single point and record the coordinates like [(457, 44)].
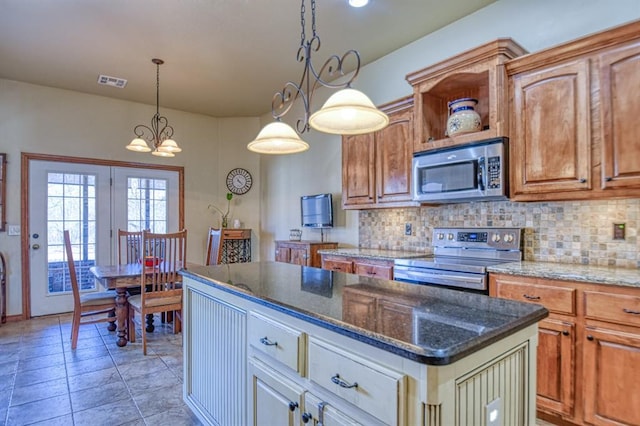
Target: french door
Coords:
[(92, 202)]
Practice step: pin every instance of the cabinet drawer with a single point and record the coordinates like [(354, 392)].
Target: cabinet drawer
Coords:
[(384, 272), (338, 265), (560, 300), (279, 341), (618, 308), (372, 388)]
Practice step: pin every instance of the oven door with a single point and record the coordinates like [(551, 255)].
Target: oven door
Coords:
[(453, 279)]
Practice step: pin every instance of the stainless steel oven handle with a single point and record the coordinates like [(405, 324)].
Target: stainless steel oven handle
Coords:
[(471, 281)]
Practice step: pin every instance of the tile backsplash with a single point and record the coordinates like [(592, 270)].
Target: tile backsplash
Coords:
[(563, 232)]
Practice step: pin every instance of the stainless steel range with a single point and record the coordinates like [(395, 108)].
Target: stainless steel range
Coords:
[(461, 257)]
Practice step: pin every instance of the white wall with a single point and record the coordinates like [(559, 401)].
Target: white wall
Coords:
[(533, 24), (37, 119)]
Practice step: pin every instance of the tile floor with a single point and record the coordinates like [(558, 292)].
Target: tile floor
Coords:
[(44, 382)]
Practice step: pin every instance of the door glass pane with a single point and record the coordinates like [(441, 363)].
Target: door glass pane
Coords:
[(71, 205), (147, 204)]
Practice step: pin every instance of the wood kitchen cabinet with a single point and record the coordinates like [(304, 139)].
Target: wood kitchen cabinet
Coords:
[(477, 73), (588, 348), (573, 120), (303, 253), (376, 167), (373, 268), (619, 80), (556, 337)]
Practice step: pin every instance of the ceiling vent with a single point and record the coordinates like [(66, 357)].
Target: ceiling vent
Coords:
[(112, 81)]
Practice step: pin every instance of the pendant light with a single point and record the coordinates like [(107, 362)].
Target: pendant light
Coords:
[(347, 112), (160, 132)]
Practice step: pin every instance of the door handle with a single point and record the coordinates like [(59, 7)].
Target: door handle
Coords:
[(35, 246)]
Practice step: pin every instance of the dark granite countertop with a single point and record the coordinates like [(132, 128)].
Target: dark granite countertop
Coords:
[(629, 277), (442, 327), (375, 254)]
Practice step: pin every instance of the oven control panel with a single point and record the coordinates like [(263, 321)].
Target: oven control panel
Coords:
[(493, 238)]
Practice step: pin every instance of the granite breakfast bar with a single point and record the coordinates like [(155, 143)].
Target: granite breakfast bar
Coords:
[(274, 343)]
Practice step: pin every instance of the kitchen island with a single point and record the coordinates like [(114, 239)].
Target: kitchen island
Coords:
[(274, 343)]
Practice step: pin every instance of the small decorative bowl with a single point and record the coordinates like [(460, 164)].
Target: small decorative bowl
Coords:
[(150, 261)]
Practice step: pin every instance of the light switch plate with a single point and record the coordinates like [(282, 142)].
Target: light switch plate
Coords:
[(13, 230), (407, 228)]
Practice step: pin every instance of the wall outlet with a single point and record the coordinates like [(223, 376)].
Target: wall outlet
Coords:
[(407, 229), (493, 412), (618, 231), (13, 230)]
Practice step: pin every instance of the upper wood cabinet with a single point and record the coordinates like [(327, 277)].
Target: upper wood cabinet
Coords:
[(376, 167), (573, 121), (551, 143), (478, 73), (620, 111)]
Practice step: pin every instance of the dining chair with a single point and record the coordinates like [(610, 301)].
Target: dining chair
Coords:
[(214, 247), (164, 256), (88, 304), (129, 246)]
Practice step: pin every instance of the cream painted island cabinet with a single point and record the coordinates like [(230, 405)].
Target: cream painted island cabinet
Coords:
[(269, 343)]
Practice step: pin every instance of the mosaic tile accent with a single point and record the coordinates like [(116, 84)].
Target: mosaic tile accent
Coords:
[(578, 232)]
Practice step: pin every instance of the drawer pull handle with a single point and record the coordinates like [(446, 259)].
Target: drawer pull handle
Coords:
[(338, 381), (629, 311), (526, 296), (306, 417), (589, 337), (565, 333), (265, 341), (293, 406)]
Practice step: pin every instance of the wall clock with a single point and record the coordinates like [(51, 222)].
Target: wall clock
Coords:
[(239, 181)]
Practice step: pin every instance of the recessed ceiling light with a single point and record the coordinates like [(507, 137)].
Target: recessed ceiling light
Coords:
[(358, 3)]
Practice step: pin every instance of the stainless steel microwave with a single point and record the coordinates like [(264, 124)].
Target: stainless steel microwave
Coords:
[(474, 172)]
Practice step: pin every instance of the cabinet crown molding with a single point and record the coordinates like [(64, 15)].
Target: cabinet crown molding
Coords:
[(502, 48)]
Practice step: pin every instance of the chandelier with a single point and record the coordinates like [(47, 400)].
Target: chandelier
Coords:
[(160, 132), (347, 112)]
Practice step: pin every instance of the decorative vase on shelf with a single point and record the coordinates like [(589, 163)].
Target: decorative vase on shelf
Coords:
[(463, 117)]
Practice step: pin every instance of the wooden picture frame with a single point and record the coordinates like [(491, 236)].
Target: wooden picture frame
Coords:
[(3, 192)]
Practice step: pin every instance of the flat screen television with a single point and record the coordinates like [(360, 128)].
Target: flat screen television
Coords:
[(316, 211)]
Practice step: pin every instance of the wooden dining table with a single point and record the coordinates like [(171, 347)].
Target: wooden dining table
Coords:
[(122, 278)]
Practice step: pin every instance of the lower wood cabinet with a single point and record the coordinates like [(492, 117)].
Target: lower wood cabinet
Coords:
[(588, 349), (611, 363), (303, 253), (373, 268)]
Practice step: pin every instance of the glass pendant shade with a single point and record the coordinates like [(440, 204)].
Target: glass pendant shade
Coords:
[(169, 145), (138, 145), (348, 112), (159, 153), (277, 138)]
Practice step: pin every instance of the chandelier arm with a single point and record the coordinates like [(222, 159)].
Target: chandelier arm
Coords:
[(140, 131), (333, 68)]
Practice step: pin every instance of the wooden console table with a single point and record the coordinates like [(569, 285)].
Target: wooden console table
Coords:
[(236, 246)]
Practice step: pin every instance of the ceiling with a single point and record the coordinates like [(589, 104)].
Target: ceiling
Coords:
[(224, 58)]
